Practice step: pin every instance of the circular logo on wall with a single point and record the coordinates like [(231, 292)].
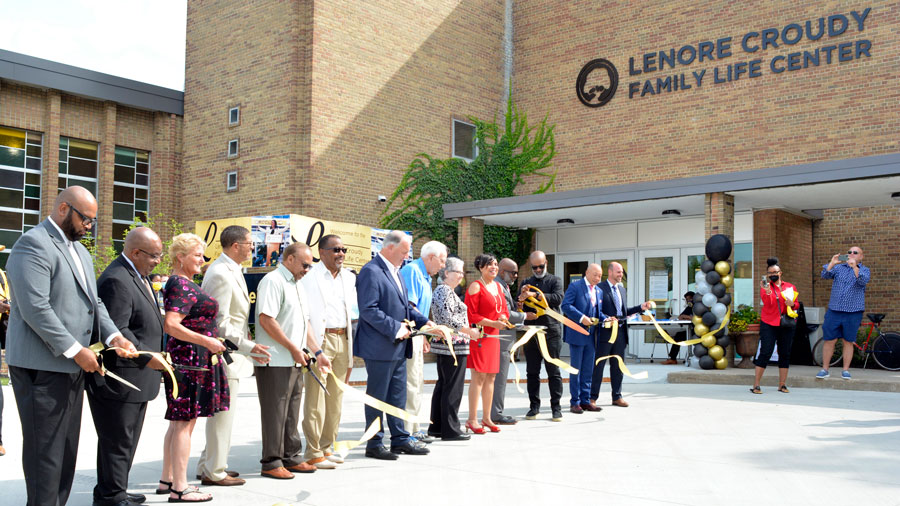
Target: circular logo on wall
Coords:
[(597, 82)]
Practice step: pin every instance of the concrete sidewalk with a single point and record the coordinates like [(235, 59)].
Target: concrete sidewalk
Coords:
[(677, 444)]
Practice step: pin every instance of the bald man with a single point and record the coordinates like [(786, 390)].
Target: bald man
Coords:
[(57, 315), (118, 410), (509, 273), (582, 304)]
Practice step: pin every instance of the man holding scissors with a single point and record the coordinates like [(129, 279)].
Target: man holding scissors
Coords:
[(283, 324), (551, 288)]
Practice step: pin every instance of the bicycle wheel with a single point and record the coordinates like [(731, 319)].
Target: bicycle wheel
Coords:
[(886, 351), (835, 357)]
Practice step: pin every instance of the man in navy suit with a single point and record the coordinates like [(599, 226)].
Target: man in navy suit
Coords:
[(381, 340), (614, 300), (581, 303)]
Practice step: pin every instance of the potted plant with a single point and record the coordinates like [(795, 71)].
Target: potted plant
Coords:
[(744, 329)]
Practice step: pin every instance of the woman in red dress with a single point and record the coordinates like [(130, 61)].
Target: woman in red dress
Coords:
[(487, 309)]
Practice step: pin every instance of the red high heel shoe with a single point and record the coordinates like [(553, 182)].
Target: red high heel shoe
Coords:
[(490, 426), (476, 430)]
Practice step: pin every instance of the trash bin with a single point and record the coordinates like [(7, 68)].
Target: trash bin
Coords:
[(815, 316)]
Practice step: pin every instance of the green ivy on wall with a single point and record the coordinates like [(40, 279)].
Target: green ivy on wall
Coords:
[(504, 160)]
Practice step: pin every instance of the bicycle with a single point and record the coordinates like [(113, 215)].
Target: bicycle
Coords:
[(885, 348)]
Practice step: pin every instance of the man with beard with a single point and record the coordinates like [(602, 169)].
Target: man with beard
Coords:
[(56, 317), (551, 286)]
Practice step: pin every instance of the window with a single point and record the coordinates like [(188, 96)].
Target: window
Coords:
[(78, 161), (464, 141), (131, 188), (233, 148), (231, 181), (234, 116), (744, 286), (20, 185)]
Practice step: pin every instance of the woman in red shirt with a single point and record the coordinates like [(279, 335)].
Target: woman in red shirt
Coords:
[(771, 331)]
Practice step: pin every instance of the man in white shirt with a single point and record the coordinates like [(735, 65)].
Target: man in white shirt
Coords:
[(331, 292), (283, 324)]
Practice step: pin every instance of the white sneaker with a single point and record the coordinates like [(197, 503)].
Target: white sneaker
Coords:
[(333, 457), (322, 463)]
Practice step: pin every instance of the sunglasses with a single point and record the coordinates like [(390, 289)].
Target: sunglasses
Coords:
[(538, 267), (336, 250), (85, 221), (851, 252)]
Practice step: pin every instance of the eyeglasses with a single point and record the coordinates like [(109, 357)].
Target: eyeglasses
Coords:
[(306, 267), (538, 267), (85, 221), (156, 256), (851, 252), (244, 242), (336, 250), (458, 272), (511, 273)]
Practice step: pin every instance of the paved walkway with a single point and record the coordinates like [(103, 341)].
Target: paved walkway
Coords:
[(689, 444)]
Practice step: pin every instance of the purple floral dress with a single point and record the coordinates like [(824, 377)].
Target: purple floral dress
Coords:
[(200, 393)]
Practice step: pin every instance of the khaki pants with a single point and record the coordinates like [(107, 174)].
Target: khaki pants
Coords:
[(415, 381), (322, 413), (214, 456)]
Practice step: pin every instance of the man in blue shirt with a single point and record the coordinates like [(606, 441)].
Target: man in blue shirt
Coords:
[(417, 278), (845, 309)]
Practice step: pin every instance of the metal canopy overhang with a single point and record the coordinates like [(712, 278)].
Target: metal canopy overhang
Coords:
[(31, 71), (857, 182)]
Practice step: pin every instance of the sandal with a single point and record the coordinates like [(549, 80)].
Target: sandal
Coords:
[(784, 389), (188, 491), (161, 490), (755, 390)]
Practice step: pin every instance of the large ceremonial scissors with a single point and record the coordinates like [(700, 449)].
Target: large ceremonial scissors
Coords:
[(543, 308)]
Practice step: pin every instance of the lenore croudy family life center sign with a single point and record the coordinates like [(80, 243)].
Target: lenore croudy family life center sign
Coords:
[(825, 30)]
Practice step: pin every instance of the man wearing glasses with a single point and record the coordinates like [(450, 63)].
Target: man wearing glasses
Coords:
[(282, 316), (225, 283), (509, 273), (551, 286), (56, 317), (845, 308), (331, 291)]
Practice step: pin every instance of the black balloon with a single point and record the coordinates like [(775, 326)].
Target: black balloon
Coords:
[(708, 266), (718, 248), (707, 362), (700, 350), (725, 299), (723, 341), (709, 319), (699, 309), (713, 278), (719, 291)]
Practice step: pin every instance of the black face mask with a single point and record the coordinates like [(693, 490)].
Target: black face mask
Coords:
[(774, 278)]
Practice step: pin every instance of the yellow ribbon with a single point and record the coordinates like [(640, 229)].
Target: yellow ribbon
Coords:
[(342, 448), (163, 358), (542, 344), (787, 307), (625, 371), (444, 332), (4, 290), (614, 333), (370, 401)]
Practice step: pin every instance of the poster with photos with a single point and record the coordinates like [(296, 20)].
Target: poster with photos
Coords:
[(270, 235)]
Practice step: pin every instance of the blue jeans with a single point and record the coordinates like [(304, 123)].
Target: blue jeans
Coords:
[(580, 384)]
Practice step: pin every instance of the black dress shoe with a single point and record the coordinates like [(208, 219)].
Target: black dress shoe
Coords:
[(458, 437), (380, 453), (506, 420), (123, 502), (411, 448), (532, 413), (137, 498)]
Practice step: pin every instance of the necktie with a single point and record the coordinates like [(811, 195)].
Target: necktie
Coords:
[(149, 288), (615, 291)]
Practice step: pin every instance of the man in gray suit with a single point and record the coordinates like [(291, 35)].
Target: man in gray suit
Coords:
[(509, 273), (57, 315)]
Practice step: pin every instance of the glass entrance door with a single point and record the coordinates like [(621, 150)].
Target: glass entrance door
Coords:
[(660, 281)]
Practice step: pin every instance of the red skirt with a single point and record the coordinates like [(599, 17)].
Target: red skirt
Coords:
[(484, 355)]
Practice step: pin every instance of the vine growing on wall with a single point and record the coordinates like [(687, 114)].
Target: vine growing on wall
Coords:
[(504, 159)]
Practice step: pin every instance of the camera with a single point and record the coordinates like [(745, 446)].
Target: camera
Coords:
[(382, 198)]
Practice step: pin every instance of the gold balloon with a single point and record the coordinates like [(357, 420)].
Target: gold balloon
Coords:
[(696, 320), (723, 267), (700, 329), (727, 280), (709, 341), (722, 363), (716, 352)]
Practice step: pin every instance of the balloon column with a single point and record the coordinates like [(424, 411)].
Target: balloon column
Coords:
[(712, 302)]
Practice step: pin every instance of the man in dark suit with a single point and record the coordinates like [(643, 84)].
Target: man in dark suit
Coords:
[(56, 316), (613, 306), (581, 304), (509, 272), (553, 289), (118, 410), (381, 339)]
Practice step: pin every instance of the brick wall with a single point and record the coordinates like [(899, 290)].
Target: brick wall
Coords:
[(875, 230), (788, 237)]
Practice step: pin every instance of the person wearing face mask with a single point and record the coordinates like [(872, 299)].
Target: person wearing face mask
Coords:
[(772, 329)]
